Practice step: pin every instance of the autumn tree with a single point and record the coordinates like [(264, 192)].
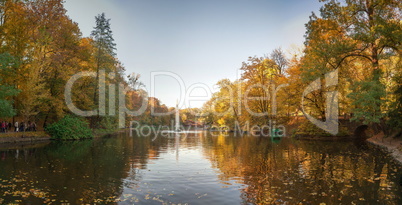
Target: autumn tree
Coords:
[(225, 107), (16, 31), (259, 79), (357, 36), (56, 41), (253, 99), (278, 56), (47, 50)]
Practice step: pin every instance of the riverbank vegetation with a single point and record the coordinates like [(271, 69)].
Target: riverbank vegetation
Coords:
[(41, 48), (360, 40), (23, 137), (308, 130), (70, 128)]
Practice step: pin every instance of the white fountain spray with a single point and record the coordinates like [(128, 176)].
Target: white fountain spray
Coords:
[(177, 125)]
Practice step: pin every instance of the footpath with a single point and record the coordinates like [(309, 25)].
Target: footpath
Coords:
[(16, 137), (391, 145)]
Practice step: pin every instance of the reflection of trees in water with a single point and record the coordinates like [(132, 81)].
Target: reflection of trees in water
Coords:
[(298, 171), (145, 149), (148, 148), (70, 150), (80, 171), (293, 171)]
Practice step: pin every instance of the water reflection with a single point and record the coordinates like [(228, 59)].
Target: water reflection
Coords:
[(307, 172), (74, 172), (197, 168)]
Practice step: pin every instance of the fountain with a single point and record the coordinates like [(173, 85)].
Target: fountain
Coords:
[(177, 119), (177, 127)]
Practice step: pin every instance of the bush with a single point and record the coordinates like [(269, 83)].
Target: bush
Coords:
[(70, 128)]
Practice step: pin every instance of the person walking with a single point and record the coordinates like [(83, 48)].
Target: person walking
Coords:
[(34, 126), (16, 126), (29, 125), (22, 127), (3, 128)]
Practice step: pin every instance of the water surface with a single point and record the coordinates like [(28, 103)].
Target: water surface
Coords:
[(197, 168)]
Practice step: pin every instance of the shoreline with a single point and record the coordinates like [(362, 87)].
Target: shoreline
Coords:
[(21, 137), (389, 145), (41, 136)]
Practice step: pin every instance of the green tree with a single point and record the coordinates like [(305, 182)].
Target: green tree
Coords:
[(104, 59), (395, 113), (6, 106)]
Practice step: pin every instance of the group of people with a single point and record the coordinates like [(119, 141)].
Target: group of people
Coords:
[(5, 126), (18, 127)]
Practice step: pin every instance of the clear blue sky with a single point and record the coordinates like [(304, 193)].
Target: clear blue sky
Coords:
[(202, 41)]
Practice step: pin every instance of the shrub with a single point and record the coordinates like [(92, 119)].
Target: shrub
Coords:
[(70, 128)]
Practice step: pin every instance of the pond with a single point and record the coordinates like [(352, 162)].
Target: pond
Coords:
[(198, 168)]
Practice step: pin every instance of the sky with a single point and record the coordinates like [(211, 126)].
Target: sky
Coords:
[(184, 47)]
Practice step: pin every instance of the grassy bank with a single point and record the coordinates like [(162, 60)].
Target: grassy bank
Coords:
[(303, 129), (14, 137)]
